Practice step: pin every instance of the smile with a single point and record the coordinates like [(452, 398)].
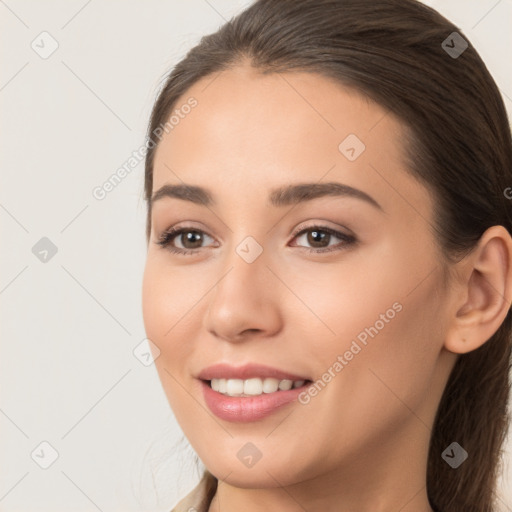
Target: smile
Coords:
[(254, 386)]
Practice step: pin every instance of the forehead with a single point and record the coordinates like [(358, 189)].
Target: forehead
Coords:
[(250, 132), (242, 110)]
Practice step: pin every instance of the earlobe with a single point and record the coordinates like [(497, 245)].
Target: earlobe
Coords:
[(486, 288)]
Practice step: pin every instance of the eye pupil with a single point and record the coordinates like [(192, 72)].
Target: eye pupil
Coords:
[(315, 236), (194, 237)]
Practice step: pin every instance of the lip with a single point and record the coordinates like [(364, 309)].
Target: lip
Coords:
[(247, 408), (247, 371), (240, 409)]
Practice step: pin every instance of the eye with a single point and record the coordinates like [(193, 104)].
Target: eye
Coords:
[(194, 237), (318, 236)]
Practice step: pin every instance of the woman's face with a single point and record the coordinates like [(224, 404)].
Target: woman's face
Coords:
[(357, 312)]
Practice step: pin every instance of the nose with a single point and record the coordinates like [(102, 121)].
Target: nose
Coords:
[(245, 302)]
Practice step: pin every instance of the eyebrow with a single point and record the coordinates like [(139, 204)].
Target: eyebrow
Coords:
[(278, 197)]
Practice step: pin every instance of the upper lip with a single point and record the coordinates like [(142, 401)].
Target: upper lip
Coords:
[(247, 371)]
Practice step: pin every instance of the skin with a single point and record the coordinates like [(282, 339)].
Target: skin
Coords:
[(362, 442)]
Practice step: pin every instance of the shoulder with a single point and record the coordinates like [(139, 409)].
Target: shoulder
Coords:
[(199, 499)]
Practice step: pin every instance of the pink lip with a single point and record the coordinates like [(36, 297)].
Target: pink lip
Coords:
[(247, 371), (251, 408), (247, 408)]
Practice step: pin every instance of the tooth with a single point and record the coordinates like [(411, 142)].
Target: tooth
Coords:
[(285, 385), (270, 385), (234, 386), (253, 386)]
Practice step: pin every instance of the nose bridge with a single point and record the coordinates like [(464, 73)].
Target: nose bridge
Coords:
[(243, 297), (245, 269)]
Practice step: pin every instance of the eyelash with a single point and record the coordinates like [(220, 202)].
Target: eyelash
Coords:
[(168, 236)]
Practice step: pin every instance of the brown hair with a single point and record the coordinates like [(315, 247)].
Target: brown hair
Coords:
[(459, 147)]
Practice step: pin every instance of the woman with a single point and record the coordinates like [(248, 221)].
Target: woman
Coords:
[(329, 266)]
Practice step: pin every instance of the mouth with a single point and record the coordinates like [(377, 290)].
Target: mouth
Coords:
[(230, 402), (255, 386), (250, 392)]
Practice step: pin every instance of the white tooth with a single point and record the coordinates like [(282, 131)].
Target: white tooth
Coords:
[(253, 386), (285, 384), (234, 386), (270, 385)]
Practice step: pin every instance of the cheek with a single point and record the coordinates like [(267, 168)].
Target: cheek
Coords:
[(371, 395), (169, 305), (380, 299), (347, 301), (160, 304), (152, 302), (164, 306), (166, 297), (374, 329)]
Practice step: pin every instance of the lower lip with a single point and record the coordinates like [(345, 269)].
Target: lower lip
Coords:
[(250, 408)]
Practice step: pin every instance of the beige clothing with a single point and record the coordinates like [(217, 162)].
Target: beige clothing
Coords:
[(199, 499)]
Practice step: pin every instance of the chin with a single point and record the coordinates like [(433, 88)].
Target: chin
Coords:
[(263, 474)]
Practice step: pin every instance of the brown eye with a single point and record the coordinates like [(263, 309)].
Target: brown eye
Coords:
[(190, 239), (320, 236)]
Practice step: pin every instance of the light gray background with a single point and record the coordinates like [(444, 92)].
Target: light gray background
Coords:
[(68, 374)]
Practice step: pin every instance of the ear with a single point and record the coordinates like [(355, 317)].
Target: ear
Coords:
[(483, 292)]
